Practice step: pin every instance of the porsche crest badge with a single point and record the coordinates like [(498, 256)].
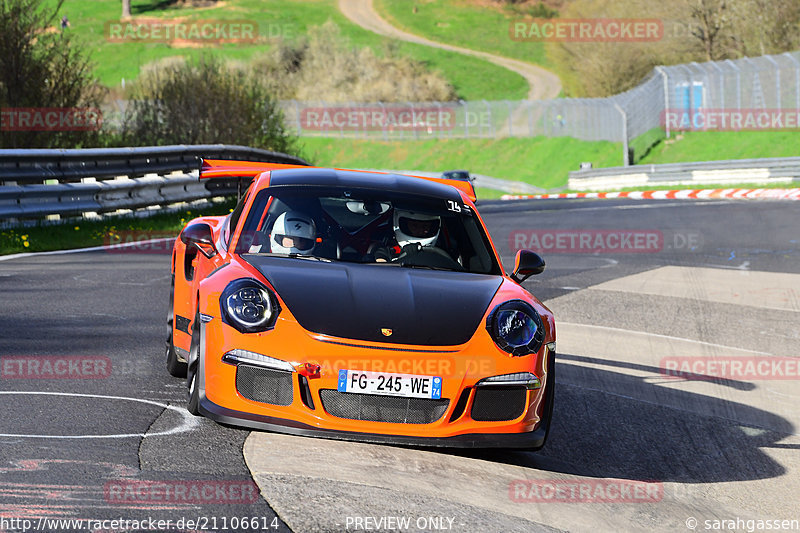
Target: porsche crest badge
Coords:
[(386, 332)]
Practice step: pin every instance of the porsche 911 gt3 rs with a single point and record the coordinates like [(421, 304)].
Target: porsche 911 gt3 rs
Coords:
[(359, 305)]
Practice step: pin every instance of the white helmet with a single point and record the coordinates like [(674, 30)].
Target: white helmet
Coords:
[(293, 233), (411, 227)]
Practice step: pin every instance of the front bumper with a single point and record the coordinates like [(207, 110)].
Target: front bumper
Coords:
[(532, 440), (220, 398)]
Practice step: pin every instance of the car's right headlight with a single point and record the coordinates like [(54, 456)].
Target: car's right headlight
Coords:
[(249, 306), (516, 328)]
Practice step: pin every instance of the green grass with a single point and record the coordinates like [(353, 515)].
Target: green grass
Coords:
[(289, 18), (544, 162), (714, 146), (482, 193), (462, 24), (85, 233)]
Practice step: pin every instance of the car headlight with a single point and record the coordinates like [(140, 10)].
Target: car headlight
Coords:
[(248, 306), (516, 328)]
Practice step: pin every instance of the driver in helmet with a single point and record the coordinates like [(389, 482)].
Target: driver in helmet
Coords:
[(293, 233), (413, 232)]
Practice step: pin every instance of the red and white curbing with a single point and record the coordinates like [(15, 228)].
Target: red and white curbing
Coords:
[(684, 194)]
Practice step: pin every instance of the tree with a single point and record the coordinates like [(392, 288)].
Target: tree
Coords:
[(596, 69), (203, 101), (42, 68), (126, 9), (694, 30)]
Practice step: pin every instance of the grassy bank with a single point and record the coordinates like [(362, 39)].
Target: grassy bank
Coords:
[(718, 145), (544, 162), (286, 19), (456, 22)]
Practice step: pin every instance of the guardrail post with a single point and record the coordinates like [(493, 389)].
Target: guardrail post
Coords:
[(297, 117), (384, 121), (530, 105), (796, 79), (721, 84), (738, 84), (664, 76), (777, 82), (510, 117), (626, 158), (491, 121)]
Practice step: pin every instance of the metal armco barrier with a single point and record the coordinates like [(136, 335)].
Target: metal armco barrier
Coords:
[(108, 179), (729, 172)]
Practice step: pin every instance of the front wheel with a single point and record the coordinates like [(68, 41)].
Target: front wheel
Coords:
[(192, 405), (175, 367), (193, 402)]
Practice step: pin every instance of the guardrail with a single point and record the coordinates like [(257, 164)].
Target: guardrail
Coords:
[(729, 172), (102, 180)]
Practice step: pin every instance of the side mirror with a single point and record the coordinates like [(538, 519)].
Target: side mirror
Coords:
[(527, 264), (200, 235)]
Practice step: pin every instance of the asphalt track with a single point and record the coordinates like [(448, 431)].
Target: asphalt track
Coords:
[(721, 283)]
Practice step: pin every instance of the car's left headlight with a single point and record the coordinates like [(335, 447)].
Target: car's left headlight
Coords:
[(516, 328), (248, 306)]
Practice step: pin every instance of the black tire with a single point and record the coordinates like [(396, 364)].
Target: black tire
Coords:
[(175, 367), (193, 394), (193, 402)]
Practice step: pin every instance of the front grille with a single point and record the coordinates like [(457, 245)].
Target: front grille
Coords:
[(264, 385), (377, 408), (495, 404)]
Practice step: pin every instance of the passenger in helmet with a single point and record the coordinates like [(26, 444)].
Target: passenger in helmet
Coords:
[(413, 232), (293, 233)]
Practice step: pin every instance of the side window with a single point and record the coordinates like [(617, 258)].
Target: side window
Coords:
[(234, 217)]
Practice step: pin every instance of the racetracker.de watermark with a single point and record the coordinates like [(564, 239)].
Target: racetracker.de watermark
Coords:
[(176, 31), (139, 242), (50, 119), (588, 30), (55, 367), (442, 366), (730, 119), (607, 241), (731, 367), (586, 490), (378, 118), (197, 492)]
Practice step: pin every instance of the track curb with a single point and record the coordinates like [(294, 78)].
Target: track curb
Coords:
[(680, 194)]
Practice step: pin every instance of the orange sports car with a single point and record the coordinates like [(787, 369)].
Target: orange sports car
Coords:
[(359, 305)]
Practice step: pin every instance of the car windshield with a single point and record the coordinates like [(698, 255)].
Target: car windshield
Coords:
[(367, 226)]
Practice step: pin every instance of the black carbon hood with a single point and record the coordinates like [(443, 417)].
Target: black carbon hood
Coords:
[(352, 301)]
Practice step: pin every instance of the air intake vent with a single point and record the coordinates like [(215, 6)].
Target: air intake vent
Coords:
[(264, 385), (377, 408), (495, 404)]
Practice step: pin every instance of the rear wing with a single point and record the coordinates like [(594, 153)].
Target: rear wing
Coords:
[(221, 168), (464, 186)]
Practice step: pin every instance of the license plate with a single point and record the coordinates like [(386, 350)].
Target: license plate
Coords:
[(405, 385)]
